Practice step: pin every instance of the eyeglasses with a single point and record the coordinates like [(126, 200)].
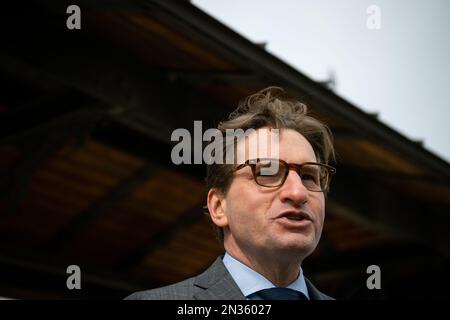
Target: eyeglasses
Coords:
[(315, 176)]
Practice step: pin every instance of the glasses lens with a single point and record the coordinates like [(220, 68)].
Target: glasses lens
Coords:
[(269, 172), (272, 173), (314, 177)]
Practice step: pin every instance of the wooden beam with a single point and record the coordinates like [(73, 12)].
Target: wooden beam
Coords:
[(217, 78), (99, 209), (367, 200), (28, 73), (392, 254), (38, 274), (36, 144), (192, 216)]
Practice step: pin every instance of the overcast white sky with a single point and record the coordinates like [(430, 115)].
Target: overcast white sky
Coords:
[(401, 71)]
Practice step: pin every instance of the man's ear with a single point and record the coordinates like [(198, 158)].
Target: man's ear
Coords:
[(217, 207)]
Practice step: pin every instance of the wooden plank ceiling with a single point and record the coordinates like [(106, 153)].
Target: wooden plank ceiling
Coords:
[(115, 205)]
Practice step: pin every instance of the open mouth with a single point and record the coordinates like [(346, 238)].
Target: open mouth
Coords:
[(295, 218), (295, 215)]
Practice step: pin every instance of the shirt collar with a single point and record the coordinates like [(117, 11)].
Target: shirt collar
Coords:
[(249, 281)]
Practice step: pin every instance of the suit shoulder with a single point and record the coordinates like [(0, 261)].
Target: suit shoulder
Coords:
[(326, 297), (183, 290), (314, 293)]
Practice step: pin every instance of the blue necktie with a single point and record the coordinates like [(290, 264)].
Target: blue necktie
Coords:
[(280, 294)]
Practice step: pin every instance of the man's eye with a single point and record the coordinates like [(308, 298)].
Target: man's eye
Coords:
[(308, 177)]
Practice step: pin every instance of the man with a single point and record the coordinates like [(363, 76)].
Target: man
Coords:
[(269, 220)]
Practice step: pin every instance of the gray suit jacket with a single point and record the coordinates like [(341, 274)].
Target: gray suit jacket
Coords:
[(215, 283)]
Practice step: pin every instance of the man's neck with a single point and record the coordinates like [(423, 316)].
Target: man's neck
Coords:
[(278, 269)]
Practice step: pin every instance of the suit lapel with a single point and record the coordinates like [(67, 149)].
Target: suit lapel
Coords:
[(217, 284), (314, 293)]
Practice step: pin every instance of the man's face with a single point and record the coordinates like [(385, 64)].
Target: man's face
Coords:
[(258, 218)]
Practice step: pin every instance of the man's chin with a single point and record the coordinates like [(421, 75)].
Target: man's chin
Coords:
[(294, 247)]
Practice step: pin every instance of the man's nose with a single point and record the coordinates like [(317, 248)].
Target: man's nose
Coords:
[(293, 189)]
